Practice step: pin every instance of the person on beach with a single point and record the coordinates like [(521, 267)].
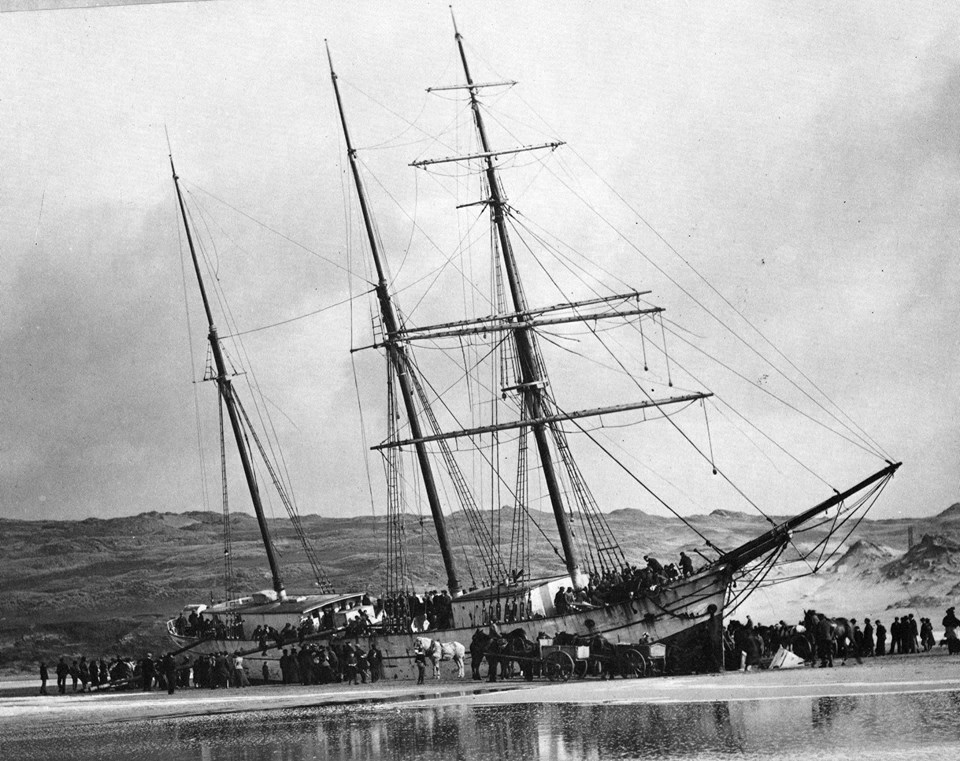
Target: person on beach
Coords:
[(420, 659), (84, 669), (43, 678), (375, 657), (867, 646), (146, 671), (350, 665), (895, 636), (169, 667), (240, 675), (74, 674), (881, 639), (911, 634), (62, 671), (951, 627)]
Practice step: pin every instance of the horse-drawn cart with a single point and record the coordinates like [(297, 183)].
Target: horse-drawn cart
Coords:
[(560, 662), (655, 655)]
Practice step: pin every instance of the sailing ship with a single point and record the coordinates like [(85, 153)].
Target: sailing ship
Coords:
[(594, 590)]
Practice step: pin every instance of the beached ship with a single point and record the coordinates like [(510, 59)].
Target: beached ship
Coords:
[(522, 440)]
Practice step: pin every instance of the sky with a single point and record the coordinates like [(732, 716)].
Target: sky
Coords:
[(802, 159)]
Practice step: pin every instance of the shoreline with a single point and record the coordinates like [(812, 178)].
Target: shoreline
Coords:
[(925, 672)]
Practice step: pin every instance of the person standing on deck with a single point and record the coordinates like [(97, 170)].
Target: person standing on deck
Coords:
[(560, 602)]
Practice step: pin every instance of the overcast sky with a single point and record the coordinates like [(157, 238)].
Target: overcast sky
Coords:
[(803, 158)]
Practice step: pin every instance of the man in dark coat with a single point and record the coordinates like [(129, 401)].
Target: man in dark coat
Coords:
[(912, 634), (867, 647), (305, 663), (560, 602), (43, 678), (63, 670), (420, 659), (147, 671), (951, 627), (375, 656), (881, 639), (169, 667)]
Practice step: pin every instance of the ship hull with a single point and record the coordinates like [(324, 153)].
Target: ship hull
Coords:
[(685, 616)]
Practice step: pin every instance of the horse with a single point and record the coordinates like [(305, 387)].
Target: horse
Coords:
[(831, 636), (502, 651), (438, 651), (745, 644)]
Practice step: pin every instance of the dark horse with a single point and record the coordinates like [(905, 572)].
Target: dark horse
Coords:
[(502, 651), (830, 636)]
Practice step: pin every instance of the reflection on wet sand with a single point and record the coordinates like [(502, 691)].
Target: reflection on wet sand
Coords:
[(773, 728)]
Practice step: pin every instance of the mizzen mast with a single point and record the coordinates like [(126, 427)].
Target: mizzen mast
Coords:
[(533, 380), (397, 355), (225, 387)]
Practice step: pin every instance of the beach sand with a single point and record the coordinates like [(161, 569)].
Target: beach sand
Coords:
[(927, 672)]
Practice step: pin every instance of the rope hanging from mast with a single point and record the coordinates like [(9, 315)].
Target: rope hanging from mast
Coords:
[(228, 579)]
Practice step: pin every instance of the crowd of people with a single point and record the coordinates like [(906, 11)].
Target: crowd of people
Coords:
[(906, 635), (612, 586), (83, 675), (338, 662)]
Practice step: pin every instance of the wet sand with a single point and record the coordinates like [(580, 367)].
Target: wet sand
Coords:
[(930, 672)]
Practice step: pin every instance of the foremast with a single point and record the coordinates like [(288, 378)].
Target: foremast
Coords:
[(225, 388), (533, 380), (397, 354)]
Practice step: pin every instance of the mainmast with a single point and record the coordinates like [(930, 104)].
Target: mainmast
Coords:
[(225, 387), (533, 381), (397, 355)]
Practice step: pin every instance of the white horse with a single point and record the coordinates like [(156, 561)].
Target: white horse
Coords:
[(438, 651)]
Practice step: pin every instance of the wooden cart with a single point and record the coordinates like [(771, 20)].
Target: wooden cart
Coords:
[(655, 655), (560, 662)]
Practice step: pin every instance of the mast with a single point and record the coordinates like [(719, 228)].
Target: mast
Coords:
[(780, 534), (397, 354), (532, 381), (225, 387)]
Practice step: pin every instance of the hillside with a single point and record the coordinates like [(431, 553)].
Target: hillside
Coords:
[(100, 586)]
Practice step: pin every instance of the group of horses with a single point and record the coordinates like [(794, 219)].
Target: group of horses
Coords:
[(818, 638), (506, 654)]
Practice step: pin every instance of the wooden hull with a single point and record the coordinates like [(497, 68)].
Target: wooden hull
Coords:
[(686, 616)]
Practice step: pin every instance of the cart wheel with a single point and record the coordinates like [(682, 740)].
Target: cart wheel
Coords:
[(558, 666), (632, 663)]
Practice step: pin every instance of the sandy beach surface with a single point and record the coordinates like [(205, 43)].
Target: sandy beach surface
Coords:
[(929, 672)]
